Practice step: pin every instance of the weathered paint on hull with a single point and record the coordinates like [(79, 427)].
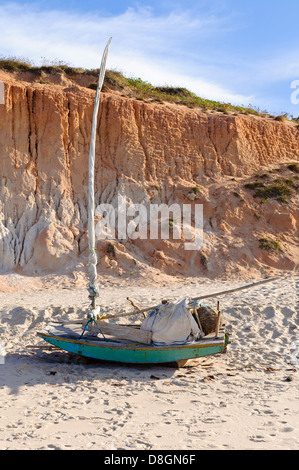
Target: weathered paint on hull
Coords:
[(136, 355)]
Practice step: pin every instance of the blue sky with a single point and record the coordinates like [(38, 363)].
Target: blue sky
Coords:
[(227, 50)]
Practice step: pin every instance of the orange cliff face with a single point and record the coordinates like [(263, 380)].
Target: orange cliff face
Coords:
[(150, 153)]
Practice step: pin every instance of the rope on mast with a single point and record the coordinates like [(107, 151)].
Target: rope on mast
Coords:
[(93, 283)]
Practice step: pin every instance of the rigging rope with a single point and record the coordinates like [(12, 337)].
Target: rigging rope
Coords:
[(93, 283)]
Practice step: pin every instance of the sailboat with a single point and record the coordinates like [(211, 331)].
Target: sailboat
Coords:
[(95, 337)]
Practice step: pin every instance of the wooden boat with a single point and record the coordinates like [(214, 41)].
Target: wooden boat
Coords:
[(74, 338), (115, 350)]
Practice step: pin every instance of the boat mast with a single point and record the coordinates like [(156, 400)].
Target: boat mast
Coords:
[(93, 283)]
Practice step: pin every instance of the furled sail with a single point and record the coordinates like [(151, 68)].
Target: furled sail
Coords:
[(93, 283)]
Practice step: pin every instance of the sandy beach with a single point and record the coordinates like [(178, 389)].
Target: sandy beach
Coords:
[(244, 399)]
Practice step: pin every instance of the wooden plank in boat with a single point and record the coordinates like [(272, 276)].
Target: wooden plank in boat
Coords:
[(122, 332)]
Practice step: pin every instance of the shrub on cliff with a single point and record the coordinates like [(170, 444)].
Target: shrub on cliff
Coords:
[(269, 245), (12, 64), (294, 167)]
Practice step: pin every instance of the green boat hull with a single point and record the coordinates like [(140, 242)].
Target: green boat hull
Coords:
[(137, 353)]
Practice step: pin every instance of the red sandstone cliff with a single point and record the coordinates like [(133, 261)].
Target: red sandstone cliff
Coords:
[(150, 153)]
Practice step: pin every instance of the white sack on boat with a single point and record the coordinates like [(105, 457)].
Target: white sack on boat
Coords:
[(171, 323)]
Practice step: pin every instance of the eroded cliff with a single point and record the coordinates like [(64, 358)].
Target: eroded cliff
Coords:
[(150, 153)]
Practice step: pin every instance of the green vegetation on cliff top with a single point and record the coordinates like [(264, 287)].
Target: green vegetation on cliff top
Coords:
[(132, 87)]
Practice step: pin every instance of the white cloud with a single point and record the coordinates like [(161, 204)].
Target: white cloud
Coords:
[(159, 49), (161, 74)]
